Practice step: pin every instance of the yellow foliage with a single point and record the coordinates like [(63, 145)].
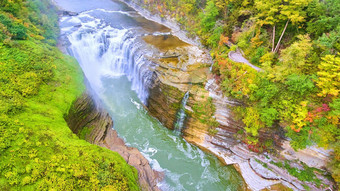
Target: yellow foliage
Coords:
[(299, 115), (329, 76)]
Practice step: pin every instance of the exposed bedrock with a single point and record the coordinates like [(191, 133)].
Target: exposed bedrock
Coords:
[(180, 68), (91, 122)]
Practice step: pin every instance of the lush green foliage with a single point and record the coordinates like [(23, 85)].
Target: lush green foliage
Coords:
[(37, 87), (296, 43)]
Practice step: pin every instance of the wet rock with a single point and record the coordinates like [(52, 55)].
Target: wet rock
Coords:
[(67, 13), (180, 68), (262, 171)]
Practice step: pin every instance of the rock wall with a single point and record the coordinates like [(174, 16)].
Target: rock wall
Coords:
[(91, 122), (164, 102), (179, 68)]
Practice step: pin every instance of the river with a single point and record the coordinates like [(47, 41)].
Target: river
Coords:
[(106, 37)]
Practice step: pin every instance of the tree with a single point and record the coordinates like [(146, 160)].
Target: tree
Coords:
[(208, 18), (252, 121), (323, 16), (293, 58), (299, 84), (329, 76), (278, 11)]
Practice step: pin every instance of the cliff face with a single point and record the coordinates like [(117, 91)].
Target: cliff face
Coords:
[(180, 68), (164, 102), (91, 122)]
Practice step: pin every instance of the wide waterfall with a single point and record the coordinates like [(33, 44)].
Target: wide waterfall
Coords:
[(181, 115), (117, 51)]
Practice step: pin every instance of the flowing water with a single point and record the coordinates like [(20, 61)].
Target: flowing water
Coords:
[(106, 39), (181, 115)]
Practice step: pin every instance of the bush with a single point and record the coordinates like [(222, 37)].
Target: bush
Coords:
[(19, 32), (300, 84)]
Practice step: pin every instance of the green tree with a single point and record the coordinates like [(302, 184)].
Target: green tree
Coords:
[(323, 16), (252, 121), (299, 83), (209, 17)]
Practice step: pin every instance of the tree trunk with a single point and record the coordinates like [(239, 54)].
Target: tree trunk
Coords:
[(273, 46), (283, 32)]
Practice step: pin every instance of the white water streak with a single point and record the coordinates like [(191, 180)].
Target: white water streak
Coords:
[(181, 115)]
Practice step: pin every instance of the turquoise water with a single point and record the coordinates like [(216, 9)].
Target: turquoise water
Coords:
[(185, 166)]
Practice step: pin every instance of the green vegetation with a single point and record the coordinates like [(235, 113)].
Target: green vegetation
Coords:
[(204, 111), (295, 42), (37, 87), (307, 174)]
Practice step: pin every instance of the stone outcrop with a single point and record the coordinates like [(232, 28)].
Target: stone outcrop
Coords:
[(91, 122), (180, 67), (312, 156)]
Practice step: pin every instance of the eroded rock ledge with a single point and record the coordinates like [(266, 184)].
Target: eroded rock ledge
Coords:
[(91, 122)]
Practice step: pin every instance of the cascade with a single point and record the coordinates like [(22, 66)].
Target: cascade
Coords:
[(181, 115), (104, 51)]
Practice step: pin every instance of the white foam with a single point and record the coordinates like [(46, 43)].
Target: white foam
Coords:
[(118, 54)]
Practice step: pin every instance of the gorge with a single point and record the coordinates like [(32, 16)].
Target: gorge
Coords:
[(169, 95), (171, 78), (115, 48)]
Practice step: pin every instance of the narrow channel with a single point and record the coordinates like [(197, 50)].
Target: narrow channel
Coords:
[(106, 37)]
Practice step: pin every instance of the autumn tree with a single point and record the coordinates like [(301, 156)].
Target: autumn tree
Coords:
[(292, 59), (329, 76), (277, 11)]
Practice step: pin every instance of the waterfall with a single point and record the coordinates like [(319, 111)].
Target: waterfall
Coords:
[(181, 115), (105, 51)]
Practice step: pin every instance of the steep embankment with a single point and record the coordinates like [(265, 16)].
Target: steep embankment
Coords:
[(38, 85), (89, 121)]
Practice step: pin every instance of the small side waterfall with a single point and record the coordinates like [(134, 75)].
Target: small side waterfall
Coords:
[(181, 115), (104, 51)]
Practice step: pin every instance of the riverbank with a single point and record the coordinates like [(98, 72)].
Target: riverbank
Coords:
[(38, 139), (168, 22)]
